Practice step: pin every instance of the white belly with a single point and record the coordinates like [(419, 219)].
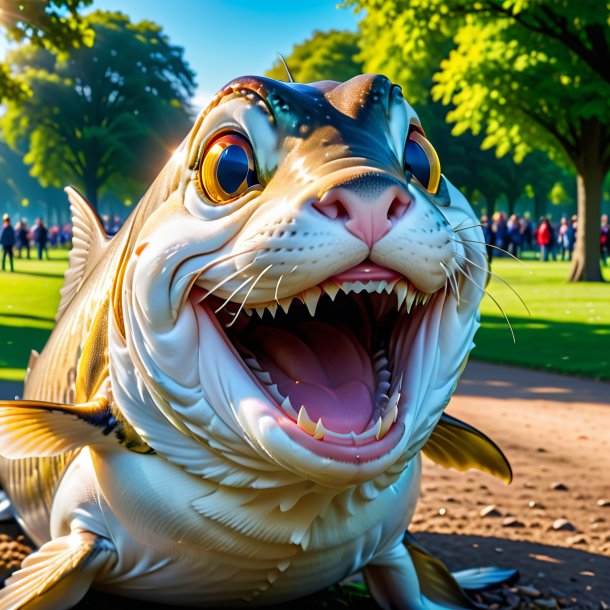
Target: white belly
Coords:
[(183, 540)]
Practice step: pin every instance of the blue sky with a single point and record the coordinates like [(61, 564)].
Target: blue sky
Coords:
[(228, 38)]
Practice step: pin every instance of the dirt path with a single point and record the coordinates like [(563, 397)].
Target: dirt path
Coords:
[(555, 431)]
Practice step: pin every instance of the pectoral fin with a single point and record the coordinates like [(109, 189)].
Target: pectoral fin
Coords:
[(455, 444), (58, 575), (30, 428)]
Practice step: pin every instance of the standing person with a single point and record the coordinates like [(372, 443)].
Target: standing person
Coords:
[(7, 239), (604, 239), (527, 232), (563, 239), (543, 238), (23, 237), (488, 235), (514, 235), (40, 238)]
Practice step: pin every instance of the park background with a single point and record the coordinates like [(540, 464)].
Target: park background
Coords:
[(514, 96)]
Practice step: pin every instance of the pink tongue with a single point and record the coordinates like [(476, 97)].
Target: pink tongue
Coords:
[(324, 368)]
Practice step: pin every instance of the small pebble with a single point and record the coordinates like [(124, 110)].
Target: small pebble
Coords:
[(557, 486), (545, 603), (512, 522), (562, 525), (527, 590), (533, 504), (580, 539), (490, 511), (603, 502)]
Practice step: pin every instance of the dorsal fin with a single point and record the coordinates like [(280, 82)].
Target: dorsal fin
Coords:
[(88, 244)]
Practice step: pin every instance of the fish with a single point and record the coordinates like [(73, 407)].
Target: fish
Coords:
[(234, 402)]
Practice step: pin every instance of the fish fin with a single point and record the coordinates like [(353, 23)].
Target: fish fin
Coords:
[(30, 428), (455, 444), (58, 575), (34, 355), (408, 577), (479, 579), (89, 241), (435, 580)]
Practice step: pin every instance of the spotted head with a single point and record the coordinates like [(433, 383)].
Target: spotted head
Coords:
[(304, 297)]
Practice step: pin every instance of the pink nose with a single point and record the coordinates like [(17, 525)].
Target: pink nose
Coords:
[(368, 213)]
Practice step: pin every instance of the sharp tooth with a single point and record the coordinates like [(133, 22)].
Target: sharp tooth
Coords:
[(288, 408), (272, 389), (319, 432), (384, 375), (263, 376), (377, 429), (305, 422), (401, 292), (272, 307), (310, 298), (260, 311), (390, 286), (381, 364), (381, 286), (383, 387), (331, 289), (253, 364), (285, 304), (386, 422), (247, 311), (410, 299), (358, 287)]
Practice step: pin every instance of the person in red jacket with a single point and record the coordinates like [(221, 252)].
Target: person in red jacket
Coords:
[(543, 238)]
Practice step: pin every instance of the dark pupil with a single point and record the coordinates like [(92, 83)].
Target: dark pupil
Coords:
[(417, 161), (232, 168)]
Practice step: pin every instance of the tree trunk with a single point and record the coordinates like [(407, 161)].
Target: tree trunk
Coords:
[(586, 259)]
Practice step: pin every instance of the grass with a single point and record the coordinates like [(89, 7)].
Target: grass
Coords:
[(569, 331), (28, 302), (569, 328)]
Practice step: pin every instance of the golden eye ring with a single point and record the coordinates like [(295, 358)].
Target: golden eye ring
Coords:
[(227, 169), (422, 161)]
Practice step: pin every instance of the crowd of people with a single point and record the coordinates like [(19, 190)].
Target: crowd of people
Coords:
[(516, 234)]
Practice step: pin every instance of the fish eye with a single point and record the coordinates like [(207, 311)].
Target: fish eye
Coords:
[(227, 169), (422, 161)]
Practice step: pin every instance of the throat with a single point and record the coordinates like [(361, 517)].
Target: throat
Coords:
[(322, 367)]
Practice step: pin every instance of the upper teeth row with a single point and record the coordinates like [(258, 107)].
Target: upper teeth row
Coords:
[(406, 294)]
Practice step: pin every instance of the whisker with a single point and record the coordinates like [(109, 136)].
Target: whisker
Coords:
[(260, 275), (468, 276), (482, 243), (227, 279), (471, 262), (466, 228), (452, 281), (277, 287), (228, 300)]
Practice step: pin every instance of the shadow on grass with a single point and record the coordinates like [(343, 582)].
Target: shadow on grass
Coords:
[(58, 275), (24, 316), (17, 342), (547, 345)]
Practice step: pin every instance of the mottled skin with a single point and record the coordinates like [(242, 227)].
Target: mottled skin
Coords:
[(205, 492)]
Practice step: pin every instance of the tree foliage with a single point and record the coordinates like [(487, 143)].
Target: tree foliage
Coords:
[(101, 117), (52, 24), (325, 56), (527, 74)]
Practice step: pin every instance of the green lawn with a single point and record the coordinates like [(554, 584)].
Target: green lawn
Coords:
[(28, 302), (569, 330)]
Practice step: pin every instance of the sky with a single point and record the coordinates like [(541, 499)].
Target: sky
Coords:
[(224, 39)]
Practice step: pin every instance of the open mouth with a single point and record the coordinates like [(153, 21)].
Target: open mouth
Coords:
[(333, 359)]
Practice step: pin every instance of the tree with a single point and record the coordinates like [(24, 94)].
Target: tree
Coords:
[(103, 117), (325, 56), (530, 75), (53, 24)]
